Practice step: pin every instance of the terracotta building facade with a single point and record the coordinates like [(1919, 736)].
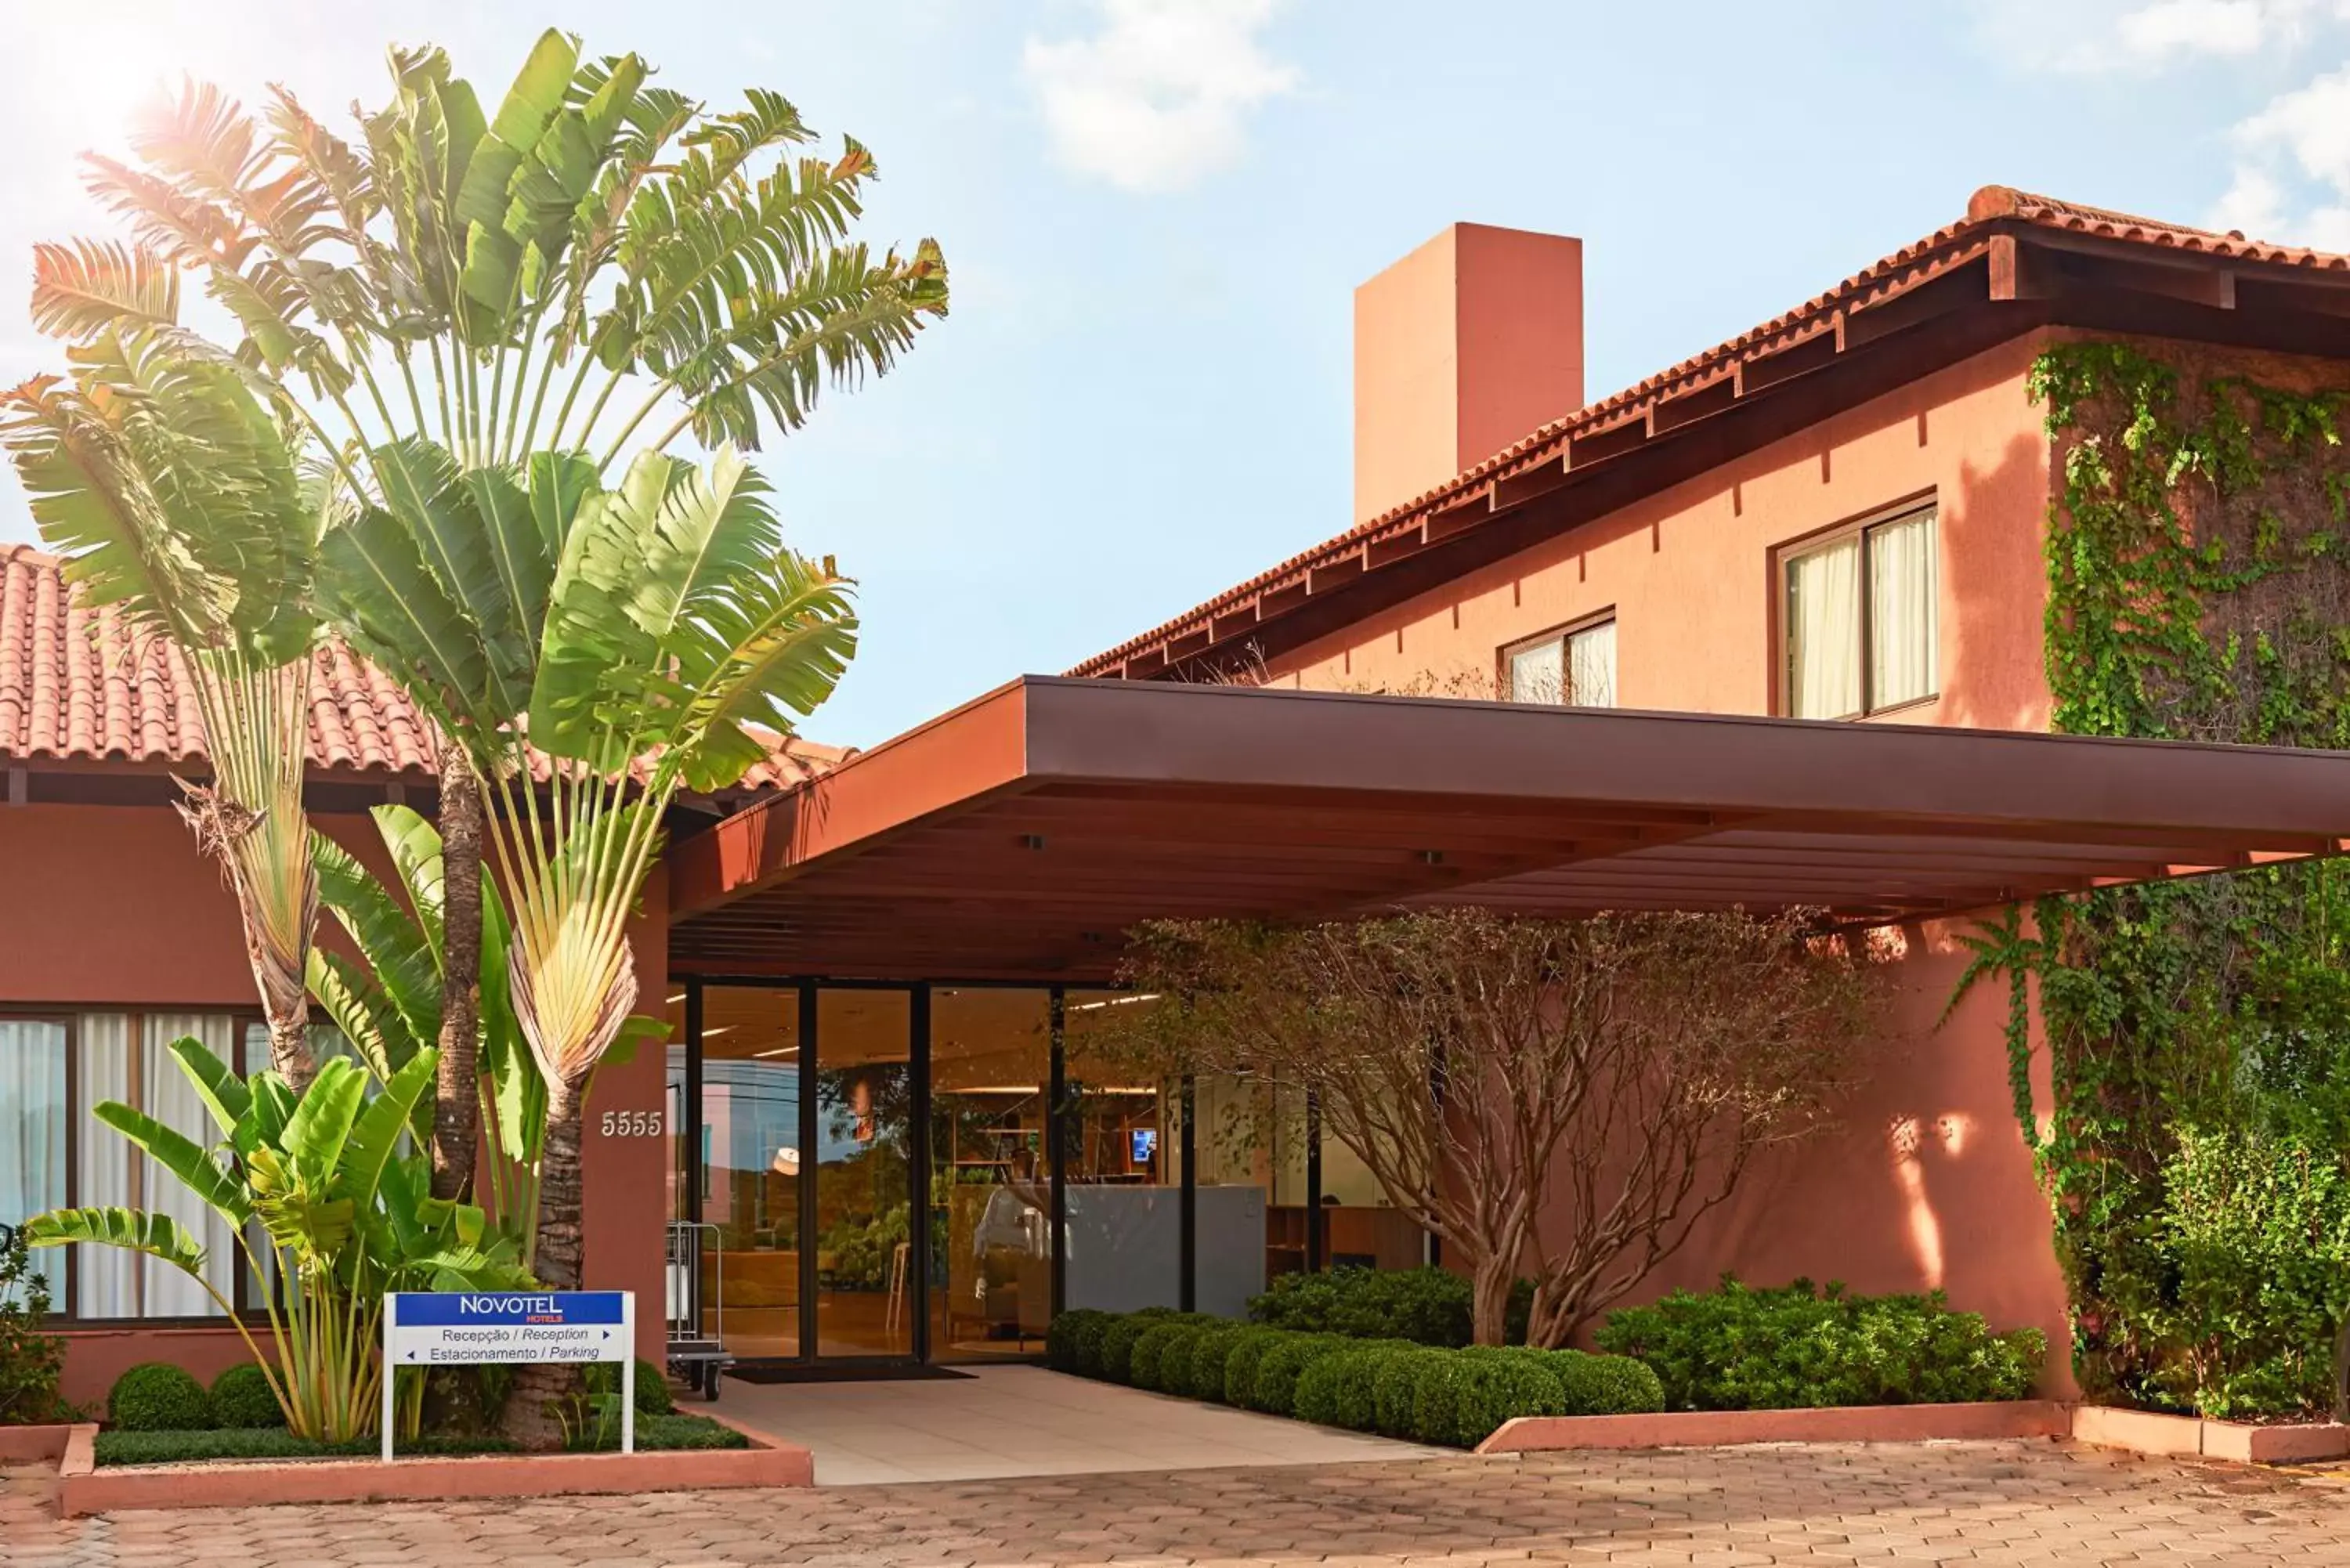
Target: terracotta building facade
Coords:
[(877, 1134)]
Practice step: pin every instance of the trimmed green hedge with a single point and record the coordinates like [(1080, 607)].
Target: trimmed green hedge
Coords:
[(1739, 1348), (1073, 1342), (1450, 1396), (115, 1447), (1427, 1305)]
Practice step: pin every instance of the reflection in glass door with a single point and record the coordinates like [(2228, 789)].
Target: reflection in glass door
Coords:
[(864, 1190), (751, 1078), (991, 1274)]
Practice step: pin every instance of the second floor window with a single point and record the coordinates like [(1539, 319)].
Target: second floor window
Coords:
[(1860, 619), (1576, 666)]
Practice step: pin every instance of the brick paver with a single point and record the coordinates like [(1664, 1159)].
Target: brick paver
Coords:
[(1888, 1506)]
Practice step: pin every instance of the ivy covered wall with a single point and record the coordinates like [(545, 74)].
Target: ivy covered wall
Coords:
[(2198, 1032)]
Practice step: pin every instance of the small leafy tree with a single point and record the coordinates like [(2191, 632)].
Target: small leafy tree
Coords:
[(1564, 1099), (31, 1361)]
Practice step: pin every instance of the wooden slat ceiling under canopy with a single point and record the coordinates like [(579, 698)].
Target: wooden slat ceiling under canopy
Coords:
[(1018, 836)]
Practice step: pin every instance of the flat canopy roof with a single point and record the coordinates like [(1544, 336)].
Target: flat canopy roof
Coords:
[(1018, 836)]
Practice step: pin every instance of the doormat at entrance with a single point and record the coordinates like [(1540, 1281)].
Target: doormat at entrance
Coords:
[(751, 1372)]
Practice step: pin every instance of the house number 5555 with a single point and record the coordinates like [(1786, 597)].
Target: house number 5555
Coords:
[(634, 1124)]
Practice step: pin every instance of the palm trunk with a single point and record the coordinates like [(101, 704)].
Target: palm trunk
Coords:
[(290, 1050), (456, 1105), (535, 1409)]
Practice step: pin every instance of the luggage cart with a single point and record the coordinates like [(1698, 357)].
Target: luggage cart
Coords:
[(697, 1350)]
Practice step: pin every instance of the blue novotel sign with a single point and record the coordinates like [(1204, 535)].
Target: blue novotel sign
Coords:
[(424, 1329)]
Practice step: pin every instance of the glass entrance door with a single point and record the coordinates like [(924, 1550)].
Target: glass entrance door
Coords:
[(753, 1067), (866, 1281)]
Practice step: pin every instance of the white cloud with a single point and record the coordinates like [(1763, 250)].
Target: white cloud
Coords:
[(2171, 27), (1160, 95), (2302, 136), (2140, 36)]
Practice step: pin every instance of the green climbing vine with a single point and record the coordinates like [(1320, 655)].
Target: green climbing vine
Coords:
[(2193, 1138)]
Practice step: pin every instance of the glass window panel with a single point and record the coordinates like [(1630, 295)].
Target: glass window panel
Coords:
[(864, 1107), (32, 1104), (1902, 630), (1591, 666), (168, 1096), (1123, 1247), (1538, 673), (750, 1158), (106, 1279), (990, 1196), (1823, 632)]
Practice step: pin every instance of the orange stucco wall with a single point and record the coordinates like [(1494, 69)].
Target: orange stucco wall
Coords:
[(110, 907), (1927, 1183), (1689, 572)]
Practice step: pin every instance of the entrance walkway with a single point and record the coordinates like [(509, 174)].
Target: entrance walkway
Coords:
[(1004, 1421), (2026, 1505)]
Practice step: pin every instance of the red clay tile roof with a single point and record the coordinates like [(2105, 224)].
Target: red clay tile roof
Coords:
[(1989, 206), (73, 688)]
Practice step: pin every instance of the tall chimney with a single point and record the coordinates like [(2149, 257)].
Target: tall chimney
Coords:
[(1461, 348)]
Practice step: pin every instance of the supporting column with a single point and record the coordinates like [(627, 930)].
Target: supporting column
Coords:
[(918, 1141), (1188, 1212), (1056, 1117), (1315, 1241), (805, 1183)]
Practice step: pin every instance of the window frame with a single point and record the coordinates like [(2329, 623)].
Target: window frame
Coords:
[(1559, 634), (1860, 528), (63, 1314)]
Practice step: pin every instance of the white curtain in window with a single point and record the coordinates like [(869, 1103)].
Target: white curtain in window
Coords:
[(106, 1280), (172, 1100), (33, 1104), (1823, 632), (1901, 610), (1538, 673), (1591, 666)]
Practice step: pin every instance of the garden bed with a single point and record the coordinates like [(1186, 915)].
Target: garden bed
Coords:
[(86, 1487), (1985, 1421), (2192, 1437)]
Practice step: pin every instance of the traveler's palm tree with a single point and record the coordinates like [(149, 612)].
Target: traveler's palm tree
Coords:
[(524, 299), (164, 479), (677, 639)]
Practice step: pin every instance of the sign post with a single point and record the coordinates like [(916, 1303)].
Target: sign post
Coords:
[(478, 1328)]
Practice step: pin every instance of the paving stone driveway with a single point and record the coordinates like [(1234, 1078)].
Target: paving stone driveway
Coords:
[(1978, 1502)]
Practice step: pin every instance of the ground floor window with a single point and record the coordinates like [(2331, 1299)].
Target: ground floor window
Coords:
[(54, 1072), (878, 1172)]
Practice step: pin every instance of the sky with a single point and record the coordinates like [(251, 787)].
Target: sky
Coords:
[(1154, 212)]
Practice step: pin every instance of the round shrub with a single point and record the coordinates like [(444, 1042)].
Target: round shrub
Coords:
[(1468, 1402), (1436, 1395), (653, 1396), (1161, 1347), (1118, 1340), (1240, 1362), (1395, 1389), (1066, 1337), (1273, 1388), (1203, 1370), (156, 1397), (1606, 1384), (1341, 1390), (1084, 1339), (241, 1397)]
